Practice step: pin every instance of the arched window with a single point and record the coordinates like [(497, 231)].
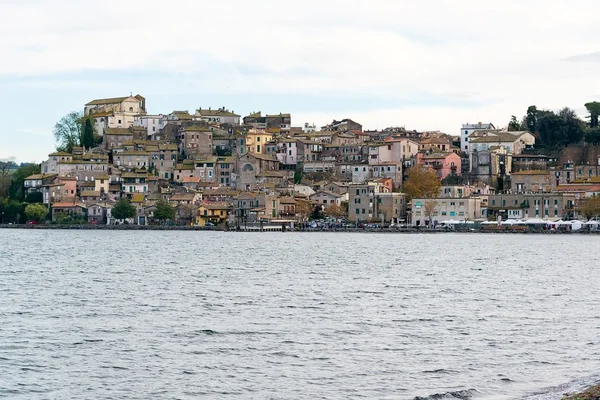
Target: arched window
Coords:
[(248, 167)]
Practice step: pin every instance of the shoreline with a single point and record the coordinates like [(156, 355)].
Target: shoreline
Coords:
[(340, 230), (591, 393)]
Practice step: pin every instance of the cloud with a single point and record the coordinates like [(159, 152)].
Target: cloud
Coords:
[(588, 57), (468, 59)]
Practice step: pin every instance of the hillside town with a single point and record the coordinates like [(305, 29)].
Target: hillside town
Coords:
[(214, 167)]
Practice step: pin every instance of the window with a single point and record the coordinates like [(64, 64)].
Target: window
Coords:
[(358, 211)]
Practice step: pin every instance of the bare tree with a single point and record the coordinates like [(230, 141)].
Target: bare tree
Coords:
[(429, 210), (5, 168)]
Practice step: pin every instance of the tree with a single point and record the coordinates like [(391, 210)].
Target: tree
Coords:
[(34, 197), (514, 124), (186, 212), (68, 131), (421, 183), (303, 208), (36, 212), (335, 211), (17, 191), (123, 210), (87, 140), (13, 211), (531, 119), (297, 177), (5, 169), (573, 126), (591, 207), (164, 211), (592, 135), (429, 210), (593, 108)]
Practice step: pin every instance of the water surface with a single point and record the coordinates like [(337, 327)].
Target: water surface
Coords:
[(139, 315)]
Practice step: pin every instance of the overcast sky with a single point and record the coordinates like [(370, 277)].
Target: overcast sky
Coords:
[(428, 64)]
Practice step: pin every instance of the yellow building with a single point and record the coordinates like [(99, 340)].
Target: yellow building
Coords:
[(256, 140), (213, 213), (102, 183)]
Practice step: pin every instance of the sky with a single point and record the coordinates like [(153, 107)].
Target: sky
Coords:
[(425, 65)]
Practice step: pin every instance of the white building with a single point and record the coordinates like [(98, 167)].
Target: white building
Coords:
[(116, 112), (152, 123), (219, 115), (468, 129), (287, 153), (435, 211), (512, 142)]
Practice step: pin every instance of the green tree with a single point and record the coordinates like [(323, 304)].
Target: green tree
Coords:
[(68, 131), (123, 210), (592, 136), (421, 183), (17, 191), (297, 177), (531, 119), (36, 212), (558, 130), (573, 126), (13, 212), (34, 197), (593, 108), (164, 211), (514, 124), (88, 134)]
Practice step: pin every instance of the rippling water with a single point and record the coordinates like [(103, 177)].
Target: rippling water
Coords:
[(149, 315)]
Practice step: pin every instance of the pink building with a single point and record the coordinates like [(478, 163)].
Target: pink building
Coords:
[(443, 164)]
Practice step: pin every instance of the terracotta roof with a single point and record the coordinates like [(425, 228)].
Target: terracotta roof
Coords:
[(90, 193), (68, 205), (532, 172), (437, 155), (216, 205), (39, 176), (183, 197), (216, 113), (578, 188), (135, 175), (191, 179), (137, 198), (112, 100), (497, 137), (60, 153), (287, 200)]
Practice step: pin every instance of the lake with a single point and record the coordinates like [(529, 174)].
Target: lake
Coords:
[(181, 315)]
